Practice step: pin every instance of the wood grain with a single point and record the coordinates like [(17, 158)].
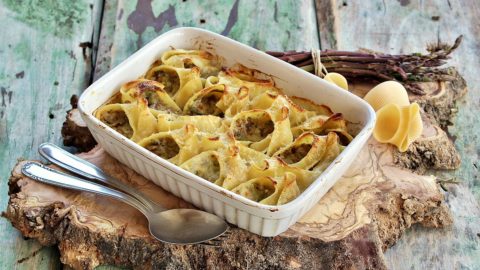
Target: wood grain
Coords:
[(274, 25), (58, 70), (327, 21), (42, 66), (403, 27)]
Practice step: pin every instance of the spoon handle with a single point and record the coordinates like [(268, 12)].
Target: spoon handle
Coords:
[(72, 163), (53, 177)]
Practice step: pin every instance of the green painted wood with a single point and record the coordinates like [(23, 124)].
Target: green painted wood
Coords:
[(42, 66), (273, 25), (41, 49), (282, 25), (405, 27)]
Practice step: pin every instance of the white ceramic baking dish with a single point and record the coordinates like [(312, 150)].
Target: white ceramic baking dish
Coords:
[(257, 218)]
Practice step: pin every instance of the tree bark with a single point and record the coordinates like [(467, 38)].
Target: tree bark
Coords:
[(75, 131)]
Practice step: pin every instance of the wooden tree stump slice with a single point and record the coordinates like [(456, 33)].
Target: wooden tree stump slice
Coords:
[(365, 212)]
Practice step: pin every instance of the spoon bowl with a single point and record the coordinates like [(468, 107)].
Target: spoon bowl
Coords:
[(185, 226)]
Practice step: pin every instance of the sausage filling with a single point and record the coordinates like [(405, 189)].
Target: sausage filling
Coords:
[(253, 129), (170, 80), (118, 120), (164, 147), (295, 154), (206, 105), (210, 169)]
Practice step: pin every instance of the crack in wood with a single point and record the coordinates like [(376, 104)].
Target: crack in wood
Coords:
[(6, 96), (33, 254)]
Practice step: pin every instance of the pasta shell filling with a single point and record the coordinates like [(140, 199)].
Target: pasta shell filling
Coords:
[(169, 79), (209, 169), (117, 120), (205, 102), (256, 189), (205, 165), (188, 63), (206, 105), (154, 100), (336, 123), (254, 127), (164, 147), (151, 91), (295, 153)]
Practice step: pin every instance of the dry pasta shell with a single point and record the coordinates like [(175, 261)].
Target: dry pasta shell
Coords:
[(336, 79), (398, 125), (386, 93)]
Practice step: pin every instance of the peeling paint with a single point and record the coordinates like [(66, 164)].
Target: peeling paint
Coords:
[(6, 96), (404, 2), (232, 19), (20, 75), (143, 17)]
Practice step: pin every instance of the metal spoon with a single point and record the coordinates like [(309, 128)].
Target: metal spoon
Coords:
[(176, 226), (83, 168)]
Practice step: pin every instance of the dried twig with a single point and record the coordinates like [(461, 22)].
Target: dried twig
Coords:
[(452, 180)]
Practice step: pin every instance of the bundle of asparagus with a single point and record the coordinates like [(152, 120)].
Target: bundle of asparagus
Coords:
[(408, 69)]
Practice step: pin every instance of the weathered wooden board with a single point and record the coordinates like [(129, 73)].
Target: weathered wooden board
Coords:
[(381, 25), (279, 25), (363, 214), (403, 27), (276, 25), (44, 44), (374, 200), (42, 66), (273, 25)]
